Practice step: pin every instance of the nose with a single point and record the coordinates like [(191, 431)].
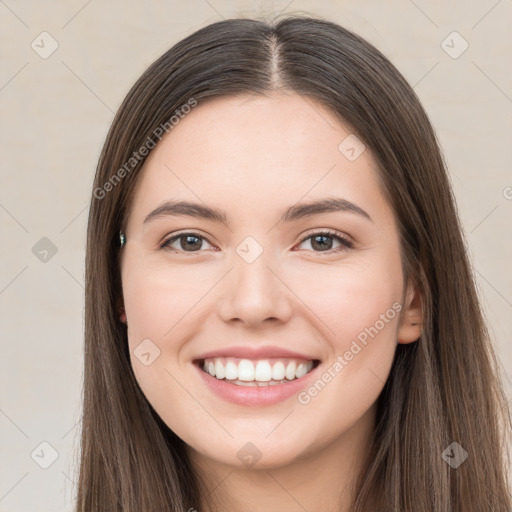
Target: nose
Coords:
[(253, 293)]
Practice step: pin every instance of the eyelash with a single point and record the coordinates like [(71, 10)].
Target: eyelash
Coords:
[(345, 242)]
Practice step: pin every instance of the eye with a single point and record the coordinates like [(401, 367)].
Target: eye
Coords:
[(192, 242), (322, 240), (188, 242)]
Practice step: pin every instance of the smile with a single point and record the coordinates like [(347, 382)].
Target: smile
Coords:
[(257, 373)]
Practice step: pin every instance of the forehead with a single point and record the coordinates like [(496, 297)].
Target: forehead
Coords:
[(253, 152)]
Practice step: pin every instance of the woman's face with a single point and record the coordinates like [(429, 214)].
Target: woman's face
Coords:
[(263, 288)]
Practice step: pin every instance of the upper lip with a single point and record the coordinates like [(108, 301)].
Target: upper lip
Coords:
[(255, 353)]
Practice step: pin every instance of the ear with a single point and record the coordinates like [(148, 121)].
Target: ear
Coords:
[(412, 315)]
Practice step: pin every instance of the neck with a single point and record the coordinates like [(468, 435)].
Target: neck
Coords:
[(322, 477)]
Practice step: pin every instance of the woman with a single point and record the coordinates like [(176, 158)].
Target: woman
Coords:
[(280, 312)]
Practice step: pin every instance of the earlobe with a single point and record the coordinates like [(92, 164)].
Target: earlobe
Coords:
[(412, 316)]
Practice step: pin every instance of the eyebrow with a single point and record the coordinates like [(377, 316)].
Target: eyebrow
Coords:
[(293, 213)]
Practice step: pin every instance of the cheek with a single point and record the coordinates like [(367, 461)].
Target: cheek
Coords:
[(163, 306), (358, 312), (160, 311), (350, 298), (156, 300)]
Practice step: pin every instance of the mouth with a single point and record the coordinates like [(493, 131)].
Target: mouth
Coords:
[(256, 373)]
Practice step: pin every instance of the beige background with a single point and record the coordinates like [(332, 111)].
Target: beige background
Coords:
[(56, 112)]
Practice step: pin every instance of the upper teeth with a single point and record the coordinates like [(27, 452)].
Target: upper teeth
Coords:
[(263, 370)]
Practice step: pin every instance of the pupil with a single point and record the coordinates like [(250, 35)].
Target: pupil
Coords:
[(323, 246), (189, 239)]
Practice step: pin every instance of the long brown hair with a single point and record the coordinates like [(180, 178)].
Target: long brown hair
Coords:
[(443, 389)]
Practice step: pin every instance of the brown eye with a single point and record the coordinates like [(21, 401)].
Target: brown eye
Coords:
[(187, 242), (324, 241)]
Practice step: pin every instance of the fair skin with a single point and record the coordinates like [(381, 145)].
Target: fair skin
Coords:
[(253, 158)]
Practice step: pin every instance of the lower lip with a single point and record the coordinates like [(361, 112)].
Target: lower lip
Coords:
[(255, 396)]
